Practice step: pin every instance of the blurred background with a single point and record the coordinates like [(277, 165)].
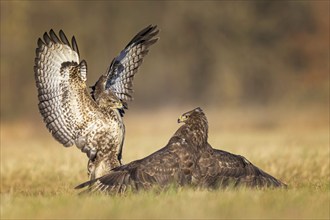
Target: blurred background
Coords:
[(261, 61), (259, 70)]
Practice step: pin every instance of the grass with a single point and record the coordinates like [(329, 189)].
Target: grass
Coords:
[(38, 175)]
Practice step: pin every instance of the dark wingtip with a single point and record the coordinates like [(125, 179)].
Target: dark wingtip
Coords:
[(63, 38), (153, 27), (146, 34), (53, 36), (74, 45), (46, 38), (121, 112), (83, 62), (40, 42), (83, 185)]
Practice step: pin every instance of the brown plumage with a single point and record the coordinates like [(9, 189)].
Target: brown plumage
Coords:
[(221, 169), (93, 122), (187, 159)]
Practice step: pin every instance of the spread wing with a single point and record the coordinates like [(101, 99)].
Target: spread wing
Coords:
[(221, 168), (158, 169), (55, 61), (120, 74)]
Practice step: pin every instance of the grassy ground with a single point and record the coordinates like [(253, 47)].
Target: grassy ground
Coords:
[(38, 175)]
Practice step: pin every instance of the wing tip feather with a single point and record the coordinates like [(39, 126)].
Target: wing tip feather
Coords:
[(46, 38), (53, 36), (144, 36), (40, 43), (74, 45), (64, 39), (83, 185)]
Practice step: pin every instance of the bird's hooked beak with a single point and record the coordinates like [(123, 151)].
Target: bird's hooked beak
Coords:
[(120, 107), (117, 105), (182, 118)]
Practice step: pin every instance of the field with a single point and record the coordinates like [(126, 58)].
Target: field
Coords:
[(38, 174)]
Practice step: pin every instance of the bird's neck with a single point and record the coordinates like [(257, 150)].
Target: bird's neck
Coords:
[(199, 132), (194, 131)]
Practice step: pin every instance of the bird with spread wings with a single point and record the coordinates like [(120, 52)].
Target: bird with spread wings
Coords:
[(187, 159), (93, 122)]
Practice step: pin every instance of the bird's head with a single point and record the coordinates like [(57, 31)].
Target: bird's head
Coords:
[(105, 98), (113, 101), (195, 127), (195, 113)]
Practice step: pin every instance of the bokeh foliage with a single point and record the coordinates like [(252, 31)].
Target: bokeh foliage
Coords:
[(239, 53)]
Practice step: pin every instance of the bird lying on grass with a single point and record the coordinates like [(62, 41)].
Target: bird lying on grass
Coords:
[(187, 160)]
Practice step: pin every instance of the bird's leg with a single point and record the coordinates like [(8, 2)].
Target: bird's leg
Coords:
[(81, 144), (90, 151), (91, 169)]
